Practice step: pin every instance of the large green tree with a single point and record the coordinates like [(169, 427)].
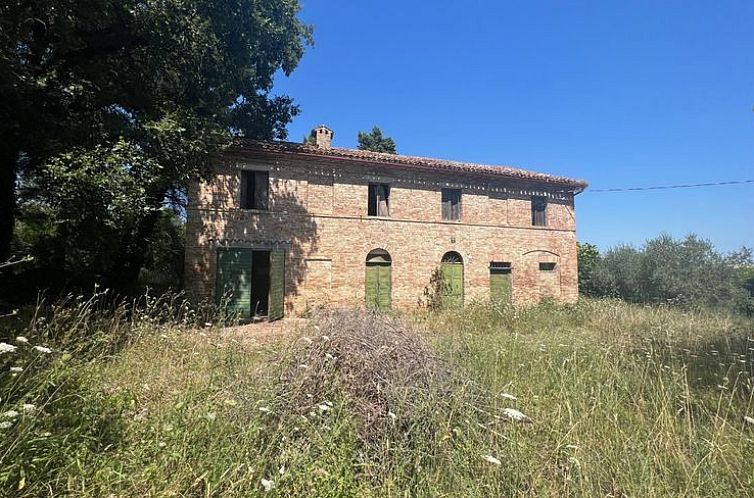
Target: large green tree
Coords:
[(376, 142), (110, 106)]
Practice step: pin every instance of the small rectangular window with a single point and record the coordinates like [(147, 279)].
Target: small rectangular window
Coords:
[(379, 199), (497, 267), (451, 204), (539, 211), (255, 190), (547, 266)]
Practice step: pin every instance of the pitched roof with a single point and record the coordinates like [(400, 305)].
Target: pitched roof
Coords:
[(397, 160)]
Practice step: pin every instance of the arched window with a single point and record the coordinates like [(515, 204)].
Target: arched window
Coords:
[(378, 291), (379, 256), (452, 257)]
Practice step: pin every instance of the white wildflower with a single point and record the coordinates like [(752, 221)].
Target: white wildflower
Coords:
[(749, 420), (323, 407), (207, 324), (6, 348), (22, 340), (282, 470), (325, 338), (267, 484), (392, 415), (6, 425), (10, 414), (508, 396), (515, 415), (43, 349), (162, 444), (46, 434), (492, 459), (16, 369), (329, 356), (264, 409), (28, 407), (211, 416)]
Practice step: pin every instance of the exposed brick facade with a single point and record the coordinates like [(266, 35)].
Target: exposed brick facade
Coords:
[(318, 212)]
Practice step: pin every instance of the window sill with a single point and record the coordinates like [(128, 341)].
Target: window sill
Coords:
[(255, 211)]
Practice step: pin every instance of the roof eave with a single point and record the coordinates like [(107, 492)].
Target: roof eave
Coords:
[(575, 186)]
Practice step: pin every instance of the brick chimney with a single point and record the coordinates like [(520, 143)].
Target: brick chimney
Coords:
[(322, 137)]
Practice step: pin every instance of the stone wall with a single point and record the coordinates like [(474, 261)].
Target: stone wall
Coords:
[(318, 212)]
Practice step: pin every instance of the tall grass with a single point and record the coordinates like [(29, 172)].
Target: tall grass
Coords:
[(156, 399)]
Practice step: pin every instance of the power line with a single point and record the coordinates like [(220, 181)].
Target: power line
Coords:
[(669, 187)]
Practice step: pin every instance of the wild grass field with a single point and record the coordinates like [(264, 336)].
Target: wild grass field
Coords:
[(154, 400)]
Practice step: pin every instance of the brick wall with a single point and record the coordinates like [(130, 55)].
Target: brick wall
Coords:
[(319, 213)]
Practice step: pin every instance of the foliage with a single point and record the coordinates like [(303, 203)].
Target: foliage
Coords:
[(375, 142), (163, 268), (746, 275), (685, 272), (124, 103), (623, 400), (432, 295), (588, 257)]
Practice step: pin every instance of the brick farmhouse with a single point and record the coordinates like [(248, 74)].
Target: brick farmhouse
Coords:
[(286, 227)]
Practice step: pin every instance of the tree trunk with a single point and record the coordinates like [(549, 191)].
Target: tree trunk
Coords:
[(134, 251), (8, 157)]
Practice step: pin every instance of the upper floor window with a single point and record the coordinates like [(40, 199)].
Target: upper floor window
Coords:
[(255, 190), (539, 211), (547, 266), (451, 204), (379, 199)]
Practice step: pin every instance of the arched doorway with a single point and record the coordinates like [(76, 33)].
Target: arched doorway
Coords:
[(451, 267), (379, 280)]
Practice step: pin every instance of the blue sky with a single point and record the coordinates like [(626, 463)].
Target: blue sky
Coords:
[(620, 93)]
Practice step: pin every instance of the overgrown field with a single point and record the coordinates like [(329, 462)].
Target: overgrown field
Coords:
[(619, 400)]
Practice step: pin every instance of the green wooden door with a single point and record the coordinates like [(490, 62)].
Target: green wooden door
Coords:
[(276, 305), (378, 286), (452, 276), (500, 285), (234, 280)]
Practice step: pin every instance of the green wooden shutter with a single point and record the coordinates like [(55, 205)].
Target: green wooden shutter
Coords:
[(276, 308), (234, 280), (500, 285), (370, 290), (378, 290), (384, 290), (452, 275)]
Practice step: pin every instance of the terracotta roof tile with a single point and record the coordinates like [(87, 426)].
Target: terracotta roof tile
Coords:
[(398, 160)]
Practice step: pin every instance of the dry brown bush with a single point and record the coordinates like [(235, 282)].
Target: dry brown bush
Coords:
[(383, 368)]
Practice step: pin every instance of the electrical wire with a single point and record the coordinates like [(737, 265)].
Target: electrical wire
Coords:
[(669, 187)]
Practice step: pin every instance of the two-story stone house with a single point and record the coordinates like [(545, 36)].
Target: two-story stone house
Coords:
[(287, 226)]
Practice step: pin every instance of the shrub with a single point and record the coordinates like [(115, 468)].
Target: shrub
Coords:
[(686, 272)]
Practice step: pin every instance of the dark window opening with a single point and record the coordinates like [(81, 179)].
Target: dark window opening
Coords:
[(451, 204), (255, 190), (260, 283), (547, 266), (379, 199), (539, 211), (500, 268)]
